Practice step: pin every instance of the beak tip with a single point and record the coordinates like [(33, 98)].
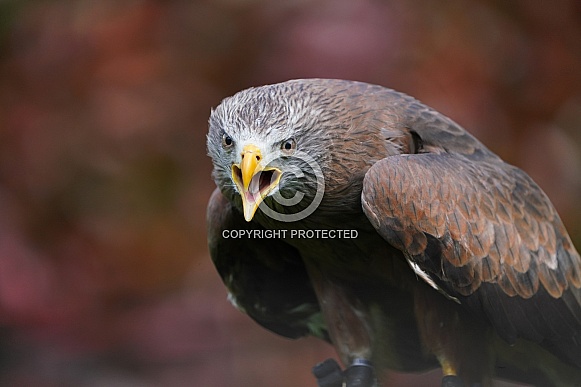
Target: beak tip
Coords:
[(249, 213)]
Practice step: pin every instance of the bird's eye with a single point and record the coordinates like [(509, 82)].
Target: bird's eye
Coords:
[(227, 141), (288, 146)]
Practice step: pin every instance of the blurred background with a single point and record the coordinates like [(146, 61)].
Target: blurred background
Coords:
[(105, 278)]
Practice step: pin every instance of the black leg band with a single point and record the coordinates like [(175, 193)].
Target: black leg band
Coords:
[(452, 381), (328, 374), (359, 374)]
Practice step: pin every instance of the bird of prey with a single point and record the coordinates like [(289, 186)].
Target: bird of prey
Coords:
[(356, 214)]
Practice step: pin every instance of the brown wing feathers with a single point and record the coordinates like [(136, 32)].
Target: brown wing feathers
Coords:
[(490, 220), (484, 232)]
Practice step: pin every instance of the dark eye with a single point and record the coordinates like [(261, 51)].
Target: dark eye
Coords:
[(227, 141), (288, 146)]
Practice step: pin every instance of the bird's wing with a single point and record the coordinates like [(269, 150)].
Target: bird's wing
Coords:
[(484, 233), (265, 277)]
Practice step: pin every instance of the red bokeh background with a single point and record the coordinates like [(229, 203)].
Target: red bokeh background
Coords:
[(105, 277)]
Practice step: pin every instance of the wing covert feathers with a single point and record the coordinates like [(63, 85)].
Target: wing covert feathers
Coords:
[(469, 223)]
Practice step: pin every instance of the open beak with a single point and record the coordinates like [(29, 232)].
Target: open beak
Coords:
[(254, 181)]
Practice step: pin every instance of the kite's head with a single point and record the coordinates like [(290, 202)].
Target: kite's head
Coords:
[(267, 146)]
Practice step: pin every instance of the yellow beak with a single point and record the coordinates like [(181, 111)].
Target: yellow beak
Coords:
[(253, 180)]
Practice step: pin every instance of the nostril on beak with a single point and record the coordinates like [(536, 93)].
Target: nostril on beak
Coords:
[(257, 157)]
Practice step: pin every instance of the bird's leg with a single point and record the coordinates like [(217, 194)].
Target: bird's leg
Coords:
[(457, 341), (348, 329)]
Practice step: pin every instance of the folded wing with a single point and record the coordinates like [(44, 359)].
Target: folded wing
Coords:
[(482, 232)]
